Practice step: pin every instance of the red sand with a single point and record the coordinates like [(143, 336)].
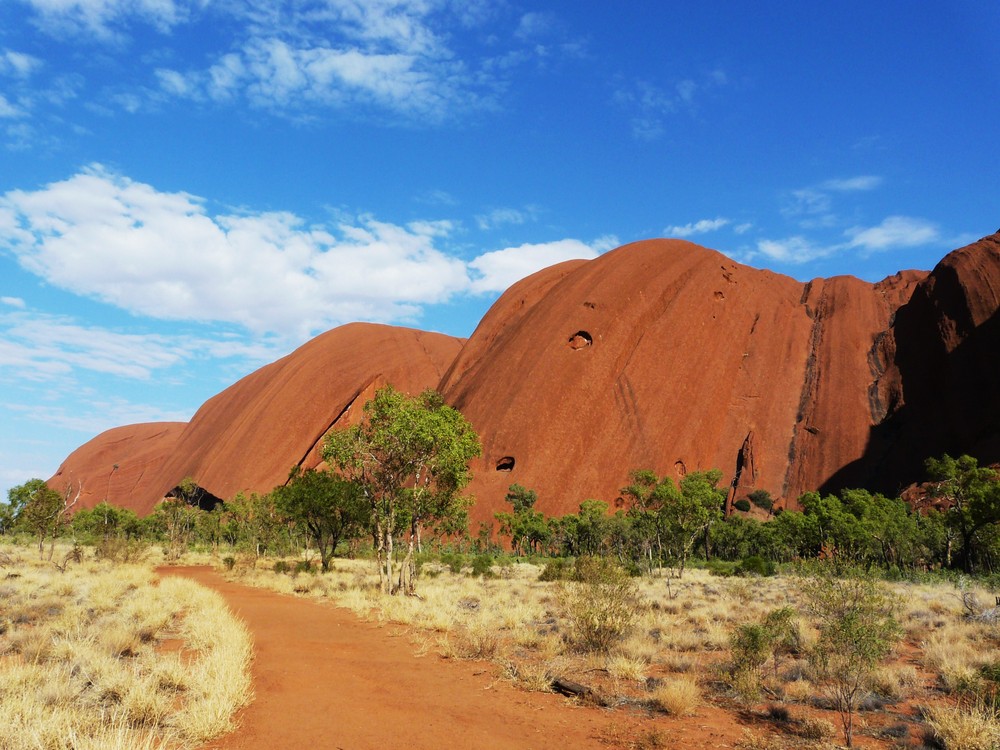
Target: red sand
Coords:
[(325, 679)]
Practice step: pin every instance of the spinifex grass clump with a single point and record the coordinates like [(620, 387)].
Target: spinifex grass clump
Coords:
[(99, 656)]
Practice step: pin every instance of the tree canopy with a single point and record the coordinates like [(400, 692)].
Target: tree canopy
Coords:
[(410, 458)]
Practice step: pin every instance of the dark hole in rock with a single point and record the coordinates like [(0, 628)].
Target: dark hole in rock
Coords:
[(580, 339), (505, 464), (591, 305)]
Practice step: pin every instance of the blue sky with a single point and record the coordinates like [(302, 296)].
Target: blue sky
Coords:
[(191, 188)]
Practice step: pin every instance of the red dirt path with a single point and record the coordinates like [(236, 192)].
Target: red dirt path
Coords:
[(325, 679)]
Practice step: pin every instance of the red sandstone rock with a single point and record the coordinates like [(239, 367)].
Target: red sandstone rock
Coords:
[(121, 465), (660, 354), (249, 436), (665, 355)]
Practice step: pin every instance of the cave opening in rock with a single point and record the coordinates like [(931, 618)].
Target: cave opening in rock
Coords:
[(580, 339), (505, 464), (195, 496)]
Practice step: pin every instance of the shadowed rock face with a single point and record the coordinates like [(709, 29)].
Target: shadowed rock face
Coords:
[(249, 436), (660, 354), (940, 388)]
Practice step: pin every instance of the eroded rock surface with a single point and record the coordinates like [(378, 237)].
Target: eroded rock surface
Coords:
[(659, 354)]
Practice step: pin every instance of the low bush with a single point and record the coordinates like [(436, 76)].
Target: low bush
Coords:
[(482, 566), (600, 604), (558, 569), (756, 566)]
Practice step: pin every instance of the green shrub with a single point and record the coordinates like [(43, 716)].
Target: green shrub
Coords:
[(753, 644), (453, 561), (742, 504), (762, 499), (281, 567), (559, 569), (756, 566), (600, 603), (482, 565), (229, 561), (724, 568), (302, 566)]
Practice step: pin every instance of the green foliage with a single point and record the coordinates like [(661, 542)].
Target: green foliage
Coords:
[(756, 566), (454, 561), (742, 505), (281, 567), (667, 520), (600, 603), (410, 459), (526, 528), (557, 569), (762, 499), (857, 630), (753, 644), (326, 506), (482, 566), (972, 493), (302, 566), (38, 509)]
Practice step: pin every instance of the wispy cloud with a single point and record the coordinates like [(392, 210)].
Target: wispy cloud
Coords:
[(650, 103), (812, 207), (106, 20), (853, 184), (42, 347), (499, 217), (892, 233), (698, 227)]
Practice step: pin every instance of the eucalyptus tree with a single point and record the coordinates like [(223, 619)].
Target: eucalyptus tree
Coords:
[(409, 457)]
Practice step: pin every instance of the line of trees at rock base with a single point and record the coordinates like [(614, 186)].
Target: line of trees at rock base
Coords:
[(395, 487)]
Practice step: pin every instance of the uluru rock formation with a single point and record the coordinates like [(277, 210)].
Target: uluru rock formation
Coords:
[(247, 437), (659, 354), (664, 355), (121, 465)]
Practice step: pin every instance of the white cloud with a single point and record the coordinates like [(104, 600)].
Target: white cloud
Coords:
[(699, 227), (497, 270), (43, 347), (894, 232), (743, 228), (650, 103), (94, 416), (282, 76), (104, 19), (794, 250), (853, 184), (8, 110), (164, 255), (13, 302), (18, 64)]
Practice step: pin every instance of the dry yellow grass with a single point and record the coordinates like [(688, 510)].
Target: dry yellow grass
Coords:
[(679, 643), (678, 696), (84, 663)]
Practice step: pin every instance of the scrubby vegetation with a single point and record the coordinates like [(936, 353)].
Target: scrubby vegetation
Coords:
[(100, 655), (855, 609)]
